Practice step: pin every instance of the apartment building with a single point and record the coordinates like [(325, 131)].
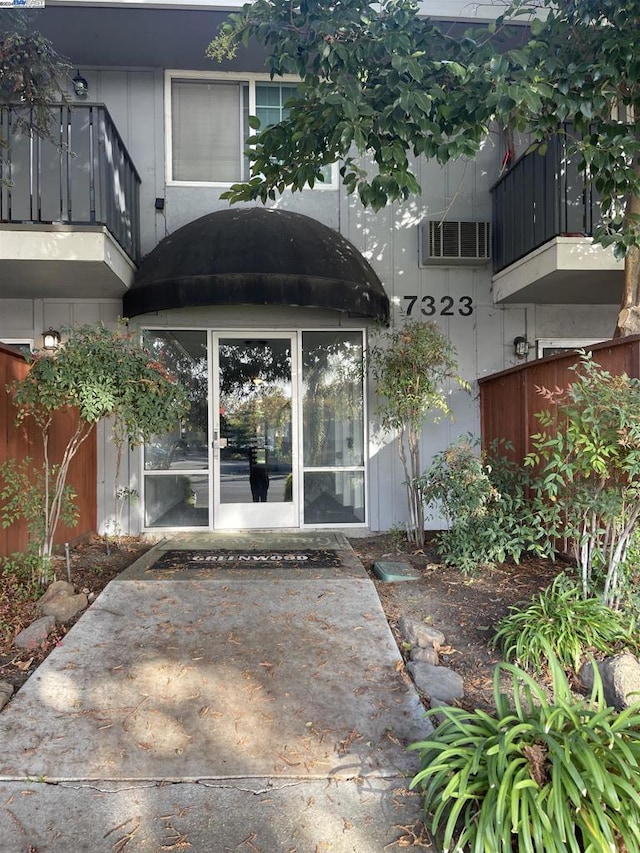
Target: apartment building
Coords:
[(265, 313)]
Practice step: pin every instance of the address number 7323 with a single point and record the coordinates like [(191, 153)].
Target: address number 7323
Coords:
[(446, 306)]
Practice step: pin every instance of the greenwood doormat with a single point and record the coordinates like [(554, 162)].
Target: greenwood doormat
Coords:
[(227, 559)]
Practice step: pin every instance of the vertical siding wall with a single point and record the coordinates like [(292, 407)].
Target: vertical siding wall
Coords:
[(509, 399), (20, 442)]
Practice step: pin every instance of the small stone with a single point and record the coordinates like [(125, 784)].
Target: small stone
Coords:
[(425, 655), (6, 692), (53, 590), (64, 607), (34, 635), (436, 682), (419, 634), (620, 680)]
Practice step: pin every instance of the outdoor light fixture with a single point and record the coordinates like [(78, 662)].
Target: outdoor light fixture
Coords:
[(80, 86), (521, 346), (51, 340)]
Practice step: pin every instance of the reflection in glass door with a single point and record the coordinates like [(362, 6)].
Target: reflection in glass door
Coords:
[(254, 439), (333, 419), (176, 464)]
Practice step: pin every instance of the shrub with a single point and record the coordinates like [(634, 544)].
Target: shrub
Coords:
[(412, 367), (483, 500), (561, 620), (588, 456), (101, 373), (549, 775)]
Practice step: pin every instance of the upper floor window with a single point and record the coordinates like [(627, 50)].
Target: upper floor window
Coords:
[(209, 123)]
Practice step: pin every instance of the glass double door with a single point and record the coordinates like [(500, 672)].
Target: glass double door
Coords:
[(275, 434), (254, 440)]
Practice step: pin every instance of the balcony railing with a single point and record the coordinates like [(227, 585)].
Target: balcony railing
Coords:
[(81, 175), (541, 197)]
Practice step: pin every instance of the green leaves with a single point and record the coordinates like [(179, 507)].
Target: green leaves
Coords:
[(560, 620), (483, 499), (387, 80), (30, 71), (412, 367), (101, 373), (377, 75), (588, 454), (546, 774)]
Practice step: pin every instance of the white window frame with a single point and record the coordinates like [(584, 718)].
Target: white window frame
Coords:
[(19, 342), (567, 344), (229, 77)]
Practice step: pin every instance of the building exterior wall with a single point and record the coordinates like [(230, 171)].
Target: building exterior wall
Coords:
[(459, 298)]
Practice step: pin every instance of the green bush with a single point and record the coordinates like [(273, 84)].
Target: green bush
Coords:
[(412, 367), (561, 620), (26, 574), (543, 775), (587, 455), (484, 502)]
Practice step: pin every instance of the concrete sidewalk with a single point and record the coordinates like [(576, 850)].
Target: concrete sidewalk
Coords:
[(217, 709)]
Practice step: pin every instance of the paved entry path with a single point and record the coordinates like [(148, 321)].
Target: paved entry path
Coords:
[(204, 704)]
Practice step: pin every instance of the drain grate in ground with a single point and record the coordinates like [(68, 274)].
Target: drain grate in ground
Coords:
[(227, 559)]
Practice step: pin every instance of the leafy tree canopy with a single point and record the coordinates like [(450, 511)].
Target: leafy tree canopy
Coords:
[(103, 373), (382, 84), (30, 69)]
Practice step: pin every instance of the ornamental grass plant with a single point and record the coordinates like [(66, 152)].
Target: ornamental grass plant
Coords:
[(560, 620), (542, 775)]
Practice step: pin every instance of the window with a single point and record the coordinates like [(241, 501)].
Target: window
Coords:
[(207, 126), (270, 102), (21, 345), (554, 346), (209, 123)]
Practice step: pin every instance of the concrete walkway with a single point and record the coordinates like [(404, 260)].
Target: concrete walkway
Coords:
[(209, 708)]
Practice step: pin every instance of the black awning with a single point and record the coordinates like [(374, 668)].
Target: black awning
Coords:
[(257, 256)]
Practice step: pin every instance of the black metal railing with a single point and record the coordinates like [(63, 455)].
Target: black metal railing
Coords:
[(80, 174), (542, 196)]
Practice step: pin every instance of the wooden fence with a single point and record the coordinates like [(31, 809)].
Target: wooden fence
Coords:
[(509, 399), (19, 442)]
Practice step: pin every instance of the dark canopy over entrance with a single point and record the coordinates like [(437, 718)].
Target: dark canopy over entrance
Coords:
[(257, 256)]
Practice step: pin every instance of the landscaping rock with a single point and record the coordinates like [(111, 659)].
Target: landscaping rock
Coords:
[(419, 634), (64, 607), (6, 692), (61, 602), (620, 680), (53, 590), (436, 682), (34, 635), (425, 655)]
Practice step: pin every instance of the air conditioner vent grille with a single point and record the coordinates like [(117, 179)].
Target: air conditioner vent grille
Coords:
[(455, 242)]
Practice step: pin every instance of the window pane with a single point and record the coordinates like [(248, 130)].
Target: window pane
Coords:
[(186, 446), (206, 130), (332, 404), (255, 420), (268, 116), (334, 497), (176, 500), (271, 99)]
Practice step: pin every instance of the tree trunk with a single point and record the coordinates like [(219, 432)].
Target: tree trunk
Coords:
[(629, 316)]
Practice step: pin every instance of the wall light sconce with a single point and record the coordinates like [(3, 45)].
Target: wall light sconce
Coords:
[(51, 340), (521, 346), (80, 85)]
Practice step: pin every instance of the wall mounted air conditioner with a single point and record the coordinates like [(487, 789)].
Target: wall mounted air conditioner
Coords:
[(453, 243)]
